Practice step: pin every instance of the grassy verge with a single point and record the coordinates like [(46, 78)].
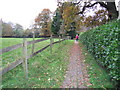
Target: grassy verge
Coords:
[(46, 70), (98, 77)]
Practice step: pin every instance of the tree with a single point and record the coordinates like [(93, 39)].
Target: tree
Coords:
[(42, 21), (7, 29), (57, 20), (18, 30), (109, 6), (99, 18), (70, 18), (11, 29), (119, 10)]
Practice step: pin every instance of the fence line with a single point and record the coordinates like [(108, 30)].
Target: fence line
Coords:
[(18, 62), (36, 41), (18, 46)]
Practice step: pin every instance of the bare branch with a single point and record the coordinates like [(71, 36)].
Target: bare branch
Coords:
[(87, 6), (103, 5), (76, 3)]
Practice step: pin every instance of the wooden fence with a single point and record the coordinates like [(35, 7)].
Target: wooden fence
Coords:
[(25, 56)]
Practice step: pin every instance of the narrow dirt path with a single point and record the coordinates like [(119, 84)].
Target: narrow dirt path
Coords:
[(76, 75)]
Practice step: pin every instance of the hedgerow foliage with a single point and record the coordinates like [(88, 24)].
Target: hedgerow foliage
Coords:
[(103, 43)]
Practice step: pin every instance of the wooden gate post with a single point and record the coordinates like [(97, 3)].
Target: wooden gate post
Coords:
[(25, 66), (33, 45)]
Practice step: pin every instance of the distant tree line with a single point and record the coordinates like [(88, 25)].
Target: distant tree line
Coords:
[(16, 30), (68, 19), (11, 30)]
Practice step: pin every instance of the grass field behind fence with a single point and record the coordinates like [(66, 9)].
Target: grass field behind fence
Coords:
[(6, 42), (16, 54), (45, 69)]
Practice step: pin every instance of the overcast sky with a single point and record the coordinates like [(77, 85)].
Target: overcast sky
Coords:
[(24, 11)]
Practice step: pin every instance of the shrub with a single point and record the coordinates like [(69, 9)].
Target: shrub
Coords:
[(103, 43)]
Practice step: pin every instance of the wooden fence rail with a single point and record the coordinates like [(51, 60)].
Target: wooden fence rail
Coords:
[(10, 66), (18, 62), (18, 46)]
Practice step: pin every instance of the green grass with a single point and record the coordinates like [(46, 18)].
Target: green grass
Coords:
[(46, 70), (98, 77), (6, 42), (16, 54)]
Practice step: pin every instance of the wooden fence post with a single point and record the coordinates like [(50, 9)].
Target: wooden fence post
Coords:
[(66, 39), (33, 45), (25, 67), (59, 40), (63, 38), (59, 37), (52, 39), (51, 43)]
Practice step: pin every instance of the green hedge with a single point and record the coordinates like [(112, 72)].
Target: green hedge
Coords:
[(103, 43)]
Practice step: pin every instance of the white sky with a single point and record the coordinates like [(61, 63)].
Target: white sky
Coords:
[(24, 12)]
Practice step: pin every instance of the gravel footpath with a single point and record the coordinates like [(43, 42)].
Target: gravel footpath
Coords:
[(76, 75)]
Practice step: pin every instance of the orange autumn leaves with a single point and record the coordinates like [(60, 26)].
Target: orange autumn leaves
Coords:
[(43, 22), (43, 14)]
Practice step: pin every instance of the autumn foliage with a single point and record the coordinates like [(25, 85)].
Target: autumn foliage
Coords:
[(69, 16), (43, 21), (98, 19)]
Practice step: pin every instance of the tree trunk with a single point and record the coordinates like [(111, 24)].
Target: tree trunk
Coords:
[(110, 6), (113, 13), (119, 9)]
